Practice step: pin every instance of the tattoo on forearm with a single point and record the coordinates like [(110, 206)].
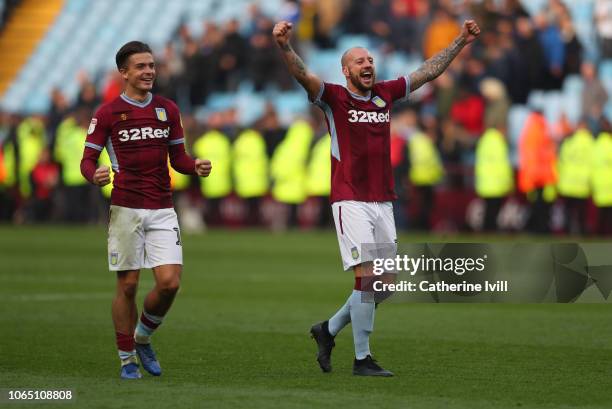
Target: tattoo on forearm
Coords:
[(436, 65), (299, 71), (294, 62), (299, 65)]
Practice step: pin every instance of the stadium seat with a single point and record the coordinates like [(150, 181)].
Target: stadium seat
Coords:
[(291, 104), (69, 46)]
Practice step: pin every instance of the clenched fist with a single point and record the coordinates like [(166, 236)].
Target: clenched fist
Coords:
[(282, 32), (470, 31), (203, 167), (101, 176)]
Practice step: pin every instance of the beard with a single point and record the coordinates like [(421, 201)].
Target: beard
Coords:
[(356, 81)]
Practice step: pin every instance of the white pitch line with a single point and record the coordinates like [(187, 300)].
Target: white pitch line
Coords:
[(56, 297)]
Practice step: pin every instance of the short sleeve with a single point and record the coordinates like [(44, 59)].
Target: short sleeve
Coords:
[(98, 131), (177, 135), (399, 88), (326, 94)]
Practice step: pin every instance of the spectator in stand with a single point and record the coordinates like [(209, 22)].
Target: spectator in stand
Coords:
[(113, 86), (498, 55), (169, 80), (573, 47), (232, 53), (553, 46), (199, 70), (402, 27), (467, 112), (57, 112), (263, 60), (9, 195), (497, 104), (442, 31), (404, 124), (527, 60), (537, 170), (594, 97), (603, 27), (88, 95), (44, 178), (376, 18), (165, 85), (270, 127), (602, 178), (422, 18), (445, 94)]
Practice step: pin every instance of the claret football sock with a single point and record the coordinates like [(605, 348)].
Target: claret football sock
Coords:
[(340, 318), (362, 319), (147, 324), (126, 348)]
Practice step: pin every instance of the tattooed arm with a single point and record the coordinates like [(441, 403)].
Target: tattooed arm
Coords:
[(436, 65), (297, 68)]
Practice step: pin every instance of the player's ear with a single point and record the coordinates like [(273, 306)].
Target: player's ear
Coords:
[(345, 71), (123, 71)]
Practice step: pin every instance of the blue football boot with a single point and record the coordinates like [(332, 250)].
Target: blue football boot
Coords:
[(147, 359), (130, 371)]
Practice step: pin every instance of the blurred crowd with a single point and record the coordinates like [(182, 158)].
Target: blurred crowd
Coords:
[(455, 166), (6, 8)]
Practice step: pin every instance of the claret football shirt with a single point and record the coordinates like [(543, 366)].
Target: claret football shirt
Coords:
[(137, 136), (360, 148)]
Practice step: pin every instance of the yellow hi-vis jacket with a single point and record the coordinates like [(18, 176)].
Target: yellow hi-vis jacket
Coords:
[(250, 165), (178, 181), (69, 144), (575, 165), (493, 172), (8, 165), (602, 170), (318, 182), (104, 160), (215, 146), (425, 165), (31, 138), (2, 168), (288, 168)]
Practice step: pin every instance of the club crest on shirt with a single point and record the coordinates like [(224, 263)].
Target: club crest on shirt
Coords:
[(161, 114), (92, 126), (355, 253), (379, 102)]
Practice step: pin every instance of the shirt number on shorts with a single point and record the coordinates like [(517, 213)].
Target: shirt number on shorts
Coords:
[(178, 235)]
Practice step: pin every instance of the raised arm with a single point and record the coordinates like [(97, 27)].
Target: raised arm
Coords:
[(436, 65), (297, 68)]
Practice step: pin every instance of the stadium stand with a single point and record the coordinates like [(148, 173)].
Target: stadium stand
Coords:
[(191, 37)]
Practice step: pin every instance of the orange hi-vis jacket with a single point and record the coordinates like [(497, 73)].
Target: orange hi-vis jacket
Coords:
[(537, 155)]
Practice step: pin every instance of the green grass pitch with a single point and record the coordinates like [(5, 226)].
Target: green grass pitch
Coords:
[(237, 335)]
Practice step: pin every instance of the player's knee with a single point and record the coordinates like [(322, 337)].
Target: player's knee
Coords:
[(169, 287), (128, 289)]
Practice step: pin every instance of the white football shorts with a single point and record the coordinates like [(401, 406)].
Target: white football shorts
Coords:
[(143, 238), (363, 223)]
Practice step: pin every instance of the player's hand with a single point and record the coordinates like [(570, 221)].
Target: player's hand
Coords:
[(282, 32), (101, 176), (470, 31), (203, 167)]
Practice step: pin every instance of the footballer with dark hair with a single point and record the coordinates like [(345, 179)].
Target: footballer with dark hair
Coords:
[(358, 118), (140, 131)]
